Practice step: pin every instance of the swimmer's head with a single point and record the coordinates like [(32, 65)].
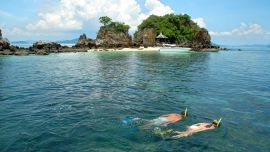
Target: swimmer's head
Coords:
[(217, 123), (184, 113)]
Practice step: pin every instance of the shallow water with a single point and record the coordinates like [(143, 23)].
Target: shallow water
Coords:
[(76, 101)]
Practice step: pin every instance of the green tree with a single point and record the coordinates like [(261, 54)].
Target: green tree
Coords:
[(105, 20), (108, 24)]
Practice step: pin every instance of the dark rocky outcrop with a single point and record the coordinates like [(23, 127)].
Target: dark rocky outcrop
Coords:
[(85, 42), (50, 46), (107, 38), (45, 48), (146, 37)]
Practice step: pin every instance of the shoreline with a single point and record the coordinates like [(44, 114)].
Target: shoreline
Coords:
[(27, 51), (126, 49)]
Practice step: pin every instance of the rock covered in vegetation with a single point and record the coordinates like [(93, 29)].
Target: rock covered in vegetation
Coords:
[(113, 34), (112, 39), (145, 37), (179, 29), (85, 42)]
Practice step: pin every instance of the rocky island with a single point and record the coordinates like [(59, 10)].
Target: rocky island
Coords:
[(156, 31)]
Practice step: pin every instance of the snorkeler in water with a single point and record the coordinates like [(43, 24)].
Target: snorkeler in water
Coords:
[(164, 120), (199, 127)]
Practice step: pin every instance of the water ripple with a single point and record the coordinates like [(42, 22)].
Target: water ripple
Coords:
[(75, 101)]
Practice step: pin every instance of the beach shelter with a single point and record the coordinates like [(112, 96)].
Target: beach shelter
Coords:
[(161, 39)]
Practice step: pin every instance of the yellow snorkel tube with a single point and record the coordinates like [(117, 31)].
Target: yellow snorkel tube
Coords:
[(216, 123), (184, 113)]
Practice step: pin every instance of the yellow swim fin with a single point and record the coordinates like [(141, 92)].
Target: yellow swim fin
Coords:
[(184, 113)]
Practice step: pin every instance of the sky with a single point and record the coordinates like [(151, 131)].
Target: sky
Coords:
[(229, 22)]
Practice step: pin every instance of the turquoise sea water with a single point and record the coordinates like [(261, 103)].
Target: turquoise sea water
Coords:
[(76, 101)]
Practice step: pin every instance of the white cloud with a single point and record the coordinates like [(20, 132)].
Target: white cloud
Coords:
[(243, 30), (73, 14), (200, 22), (157, 8)]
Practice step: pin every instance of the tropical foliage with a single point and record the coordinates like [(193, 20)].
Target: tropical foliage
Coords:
[(108, 24), (105, 20), (178, 28)]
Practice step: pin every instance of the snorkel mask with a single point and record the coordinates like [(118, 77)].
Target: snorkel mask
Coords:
[(184, 113), (216, 123)]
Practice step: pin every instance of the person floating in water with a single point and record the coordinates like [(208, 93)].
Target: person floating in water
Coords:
[(199, 127), (164, 120)]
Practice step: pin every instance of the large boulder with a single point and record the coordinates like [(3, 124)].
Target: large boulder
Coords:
[(108, 38), (146, 37), (85, 42)]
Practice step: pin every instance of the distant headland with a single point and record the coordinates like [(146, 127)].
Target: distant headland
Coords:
[(156, 31)]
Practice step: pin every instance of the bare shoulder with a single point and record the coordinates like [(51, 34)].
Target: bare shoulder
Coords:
[(199, 124), (204, 124)]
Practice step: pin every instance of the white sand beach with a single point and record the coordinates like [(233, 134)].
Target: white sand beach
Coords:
[(128, 49), (142, 49)]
